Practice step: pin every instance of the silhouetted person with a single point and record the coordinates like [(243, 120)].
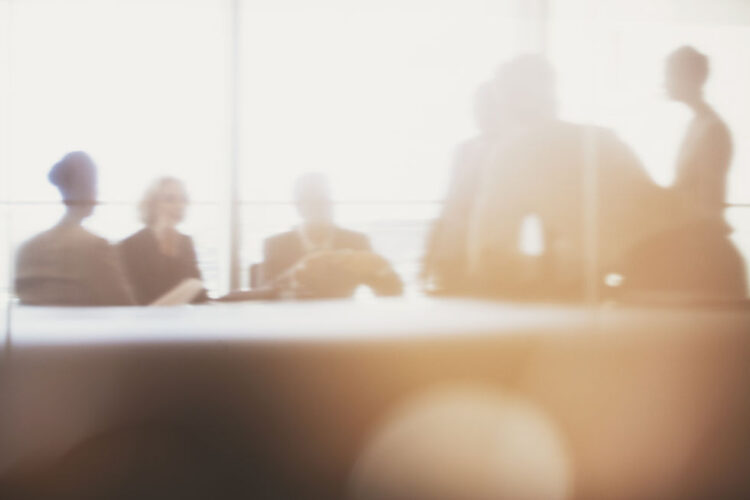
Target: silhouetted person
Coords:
[(502, 115), (158, 257), (68, 265), (445, 264), (694, 260), (318, 257), (593, 198), (706, 150)]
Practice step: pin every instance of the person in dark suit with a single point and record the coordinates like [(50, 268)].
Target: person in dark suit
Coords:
[(68, 265), (320, 257), (593, 198), (158, 257)]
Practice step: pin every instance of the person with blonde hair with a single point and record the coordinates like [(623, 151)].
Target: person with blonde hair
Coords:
[(159, 258), (68, 265)]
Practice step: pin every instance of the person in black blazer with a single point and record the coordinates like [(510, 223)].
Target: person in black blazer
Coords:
[(319, 256), (158, 257)]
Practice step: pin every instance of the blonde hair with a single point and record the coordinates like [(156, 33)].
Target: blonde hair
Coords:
[(153, 195)]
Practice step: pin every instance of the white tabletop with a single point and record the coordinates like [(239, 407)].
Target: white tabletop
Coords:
[(343, 320)]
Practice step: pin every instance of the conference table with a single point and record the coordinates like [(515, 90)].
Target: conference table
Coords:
[(640, 402)]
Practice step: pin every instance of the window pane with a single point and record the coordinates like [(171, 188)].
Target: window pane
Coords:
[(611, 67), (141, 86), (610, 58), (5, 19), (376, 94)]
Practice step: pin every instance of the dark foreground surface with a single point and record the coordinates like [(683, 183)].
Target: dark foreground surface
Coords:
[(285, 400)]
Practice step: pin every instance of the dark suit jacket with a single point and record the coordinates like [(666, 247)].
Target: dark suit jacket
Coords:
[(68, 265), (546, 172), (282, 251), (152, 273)]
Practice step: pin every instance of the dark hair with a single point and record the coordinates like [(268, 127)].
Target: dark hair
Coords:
[(690, 64), (75, 176)]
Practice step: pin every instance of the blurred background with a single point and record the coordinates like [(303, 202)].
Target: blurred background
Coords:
[(238, 97)]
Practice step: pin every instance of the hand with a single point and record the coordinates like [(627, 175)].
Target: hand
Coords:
[(363, 263), (373, 271), (325, 274)]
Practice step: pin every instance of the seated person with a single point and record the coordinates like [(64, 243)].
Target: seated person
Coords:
[(319, 259), (158, 257), (68, 265)]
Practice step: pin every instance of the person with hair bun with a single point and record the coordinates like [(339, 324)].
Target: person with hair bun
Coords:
[(67, 265), (158, 258)]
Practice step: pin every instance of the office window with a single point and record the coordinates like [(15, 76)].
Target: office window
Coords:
[(610, 58), (5, 44), (139, 85), (375, 94)]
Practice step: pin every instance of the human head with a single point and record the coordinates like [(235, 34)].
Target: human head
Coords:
[(75, 177), (312, 197), (685, 74), (164, 202), (525, 89)]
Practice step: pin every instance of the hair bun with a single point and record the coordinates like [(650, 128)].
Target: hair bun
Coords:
[(73, 174)]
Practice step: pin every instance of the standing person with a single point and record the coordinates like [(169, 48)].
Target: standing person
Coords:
[(445, 265), (591, 195), (706, 151), (695, 259), (505, 107), (158, 257), (68, 265)]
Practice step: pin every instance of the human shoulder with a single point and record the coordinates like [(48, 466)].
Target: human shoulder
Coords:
[(37, 239), (186, 239), (35, 246), (73, 234), (136, 238), (352, 238), (88, 238), (281, 237), (280, 240), (600, 139), (715, 125)]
